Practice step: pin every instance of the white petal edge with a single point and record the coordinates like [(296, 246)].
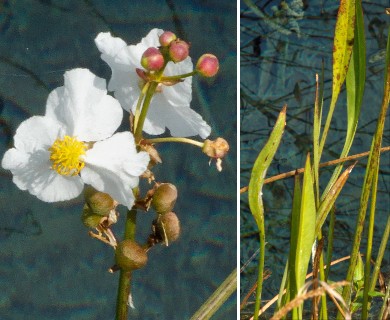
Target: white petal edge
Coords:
[(37, 133), (84, 107), (113, 166), (31, 171)]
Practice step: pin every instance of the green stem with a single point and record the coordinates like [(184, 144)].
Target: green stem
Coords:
[(122, 306), (145, 107), (138, 107), (175, 139), (215, 301), (370, 236), (179, 76)]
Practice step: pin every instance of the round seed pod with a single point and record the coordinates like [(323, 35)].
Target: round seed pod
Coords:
[(168, 227), (164, 198), (100, 203), (129, 255), (90, 219)]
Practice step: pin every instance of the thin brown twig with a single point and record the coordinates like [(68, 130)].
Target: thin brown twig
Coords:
[(274, 299), (244, 302), (324, 164), (310, 294)]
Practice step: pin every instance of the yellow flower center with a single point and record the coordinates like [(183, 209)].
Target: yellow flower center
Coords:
[(66, 156)]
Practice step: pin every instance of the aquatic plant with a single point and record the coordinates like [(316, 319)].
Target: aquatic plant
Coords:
[(74, 144), (313, 208)]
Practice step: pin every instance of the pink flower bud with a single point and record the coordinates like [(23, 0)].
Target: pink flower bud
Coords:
[(166, 38), (208, 65), (178, 50), (152, 59)]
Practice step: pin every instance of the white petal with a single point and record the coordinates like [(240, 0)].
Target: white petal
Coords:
[(169, 109), (151, 39), (113, 166), (180, 94), (84, 107), (31, 171), (36, 133), (123, 60), (182, 121), (124, 80)]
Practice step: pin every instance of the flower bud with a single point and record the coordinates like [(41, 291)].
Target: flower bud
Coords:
[(152, 59), (129, 255), (164, 198), (166, 38), (207, 65), (90, 220), (216, 149), (178, 50), (100, 203)]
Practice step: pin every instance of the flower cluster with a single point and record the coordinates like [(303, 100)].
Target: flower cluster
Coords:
[(76, 143)]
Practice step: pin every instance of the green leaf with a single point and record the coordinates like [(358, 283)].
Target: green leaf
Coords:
[(256, 183), (343, 43), (330, 198), (376, 294), (303, 223), (261, 166), (371, 171), (342, 49), (355, 82), (359, 270)]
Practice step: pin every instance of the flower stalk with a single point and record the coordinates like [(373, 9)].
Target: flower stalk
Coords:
[(144, 111), (123, 296), (175, 139)]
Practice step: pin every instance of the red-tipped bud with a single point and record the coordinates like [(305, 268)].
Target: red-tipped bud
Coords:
[(152, 59), (207, 65), (178, 50), (166, 38)]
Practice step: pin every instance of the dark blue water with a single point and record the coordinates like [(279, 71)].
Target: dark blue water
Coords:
[(279, 60), (49, 267)]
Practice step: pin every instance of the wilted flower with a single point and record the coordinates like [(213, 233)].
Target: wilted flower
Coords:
[(55, 154), (216, 149), (170, 106)]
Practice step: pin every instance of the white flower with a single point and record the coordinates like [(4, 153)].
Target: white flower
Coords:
[(170, 107), (51, 158)]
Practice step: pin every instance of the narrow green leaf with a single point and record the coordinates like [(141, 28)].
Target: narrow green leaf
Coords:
[(306, 226), (256, 183), (342, 49), (302, 233), (261, 166), (330, 198), (355, 83), (215, 301), (343, 43), (372, 166)]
